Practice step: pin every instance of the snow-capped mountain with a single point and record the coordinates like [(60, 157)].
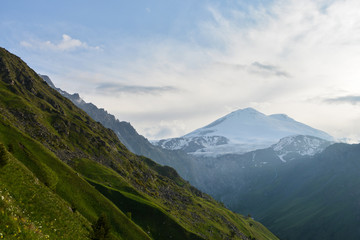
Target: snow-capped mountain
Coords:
[(241, 131), (291, 147)]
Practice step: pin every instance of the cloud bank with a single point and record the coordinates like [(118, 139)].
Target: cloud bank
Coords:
[(113, 88), (345, 99)]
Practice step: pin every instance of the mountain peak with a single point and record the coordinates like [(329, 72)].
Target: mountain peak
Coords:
[(247, 110), (241, 131), (290, 147), (47, 80)]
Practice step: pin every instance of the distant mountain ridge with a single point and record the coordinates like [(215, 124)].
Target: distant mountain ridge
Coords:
[(293, 147), (316, 197), (241, 131), (310, 196), (223, 176)]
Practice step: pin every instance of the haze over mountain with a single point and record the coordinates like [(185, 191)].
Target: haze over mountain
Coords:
[(241, 131)]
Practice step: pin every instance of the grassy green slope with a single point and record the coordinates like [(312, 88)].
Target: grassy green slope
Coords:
[(66, 183), (198, 214), (62, 146), (30, 210)]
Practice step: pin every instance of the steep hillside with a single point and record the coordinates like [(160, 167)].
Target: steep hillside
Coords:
[(133, 141), (82, 166), (22, 194)]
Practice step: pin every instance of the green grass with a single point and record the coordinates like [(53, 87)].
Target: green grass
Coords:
[(30, 210), (154, 216), (76, 191), (146, 214), (151, 217)]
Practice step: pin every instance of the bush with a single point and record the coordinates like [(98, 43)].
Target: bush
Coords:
[(4, 156), (11, 148), (101, 229)]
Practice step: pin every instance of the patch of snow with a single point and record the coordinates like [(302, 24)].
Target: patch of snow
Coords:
[(301, 145), (281, 156), (253, 156)]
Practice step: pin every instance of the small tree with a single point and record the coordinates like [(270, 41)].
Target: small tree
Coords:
[(101, 228), (4, 156)]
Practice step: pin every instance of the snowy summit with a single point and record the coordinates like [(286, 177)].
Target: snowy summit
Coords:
[(241, 131)]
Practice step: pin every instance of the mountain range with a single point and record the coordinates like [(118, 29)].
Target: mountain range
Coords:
[(66, 176), (239, 132), (285, 149), (128, 135), (301, 186)]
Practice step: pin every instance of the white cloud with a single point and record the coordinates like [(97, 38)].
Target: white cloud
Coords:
[(165, 128), (66, 44)]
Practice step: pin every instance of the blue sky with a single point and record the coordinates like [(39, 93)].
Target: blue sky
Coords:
[(169, 67)]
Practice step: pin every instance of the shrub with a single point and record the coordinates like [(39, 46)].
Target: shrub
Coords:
[(4, 156), (11, 148), (101, 228)]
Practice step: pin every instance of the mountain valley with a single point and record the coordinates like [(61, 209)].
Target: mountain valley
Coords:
[(179, 120), (285, 184), (65, 176)]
